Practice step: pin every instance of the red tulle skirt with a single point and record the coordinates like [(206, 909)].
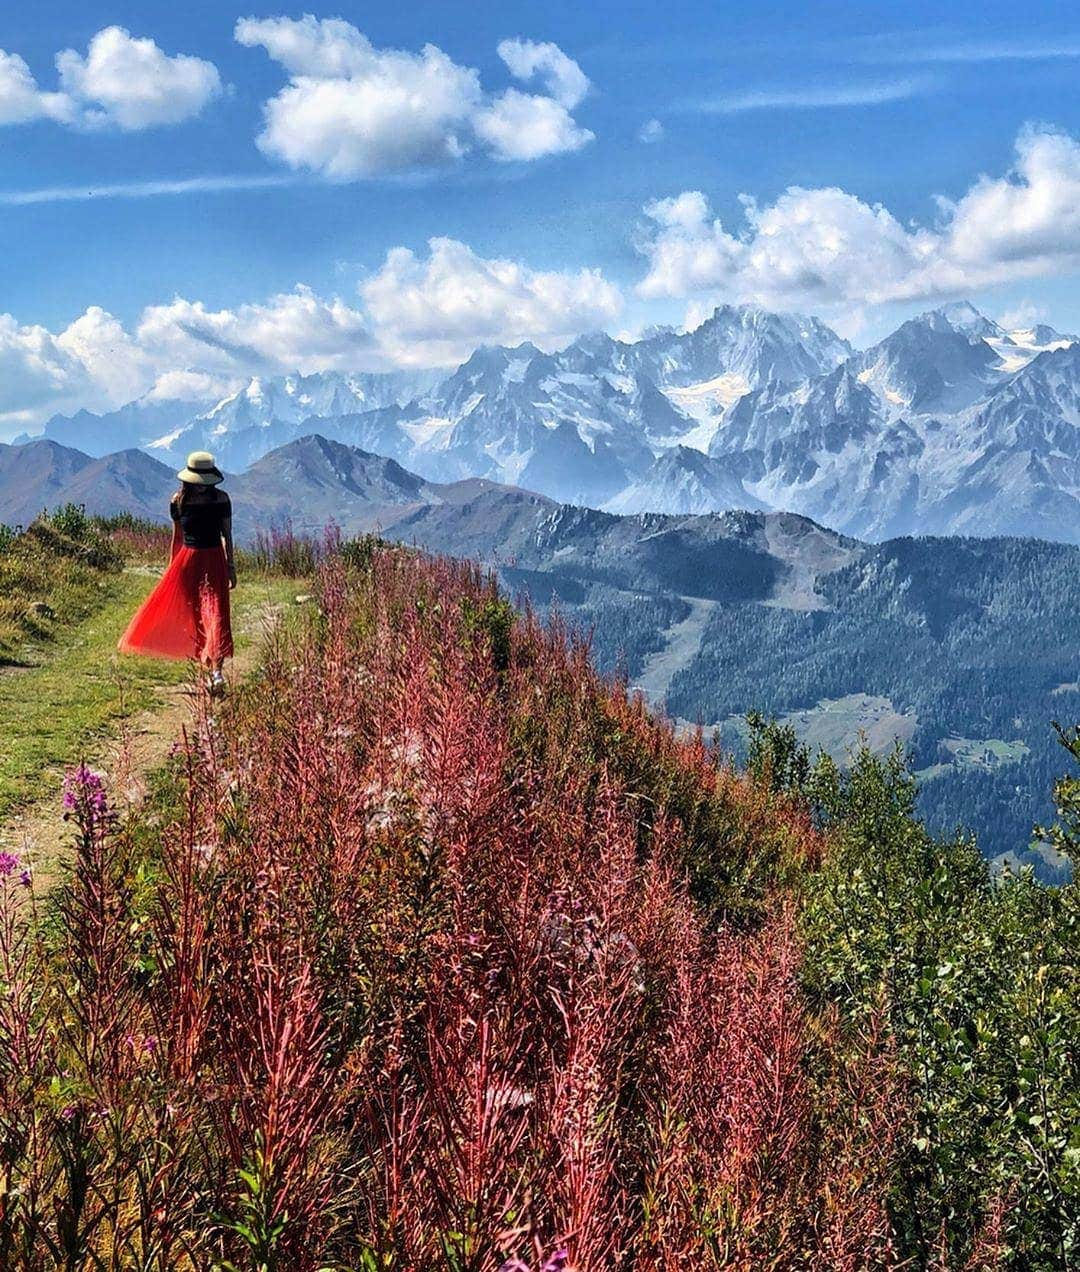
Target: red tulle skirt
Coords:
[(187, 614)]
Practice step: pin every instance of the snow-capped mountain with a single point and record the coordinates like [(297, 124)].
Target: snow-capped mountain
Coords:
[(137, 424), (931, 363), (951, 424), (269, 411), (937, 429), (593, 423)]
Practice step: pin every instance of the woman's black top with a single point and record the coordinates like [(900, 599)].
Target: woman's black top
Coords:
[(201, 521)]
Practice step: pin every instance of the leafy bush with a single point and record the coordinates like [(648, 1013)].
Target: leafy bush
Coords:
[(976, 984), (135, 538), (70, 520)]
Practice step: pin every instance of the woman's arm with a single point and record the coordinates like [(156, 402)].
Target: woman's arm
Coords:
[(226, 535), (177, 533)]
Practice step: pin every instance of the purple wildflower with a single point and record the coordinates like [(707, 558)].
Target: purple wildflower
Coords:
[(85, 790), (554, 1263), (9, 863)]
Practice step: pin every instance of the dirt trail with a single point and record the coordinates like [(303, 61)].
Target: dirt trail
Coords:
[(138, 745)]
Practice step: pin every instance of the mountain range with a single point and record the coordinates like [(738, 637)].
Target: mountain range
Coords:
[(951, 424)]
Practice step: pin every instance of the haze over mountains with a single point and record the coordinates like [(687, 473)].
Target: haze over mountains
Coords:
[(949, 425)]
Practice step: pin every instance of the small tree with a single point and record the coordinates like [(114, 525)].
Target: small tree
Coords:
[(1065, 834)]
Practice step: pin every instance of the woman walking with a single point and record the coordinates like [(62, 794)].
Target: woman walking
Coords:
[(187, 614)]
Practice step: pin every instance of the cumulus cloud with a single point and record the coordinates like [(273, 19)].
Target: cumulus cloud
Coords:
[(436, 310), (828, 247), (121, 82), (35, 370), (293, 331), (523, 126), (131, 84), (416, 310), (21, 101), (112, 362), (351, 111), (181, 349), (652, 130), (564, 80)]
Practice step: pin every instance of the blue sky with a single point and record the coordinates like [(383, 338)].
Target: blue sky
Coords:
[(796, 156)]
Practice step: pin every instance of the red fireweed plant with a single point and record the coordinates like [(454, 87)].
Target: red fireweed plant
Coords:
[(443, 954)]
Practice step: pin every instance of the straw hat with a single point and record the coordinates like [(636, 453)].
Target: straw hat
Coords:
[(201, 470)]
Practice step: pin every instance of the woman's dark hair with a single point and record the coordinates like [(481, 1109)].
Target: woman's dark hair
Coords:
[(186, 489)]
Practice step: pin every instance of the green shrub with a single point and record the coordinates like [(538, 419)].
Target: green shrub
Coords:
[(71, 521), (493, 620), (976, 983)]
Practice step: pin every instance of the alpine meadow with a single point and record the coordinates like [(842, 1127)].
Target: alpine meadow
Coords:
[(539, 662)]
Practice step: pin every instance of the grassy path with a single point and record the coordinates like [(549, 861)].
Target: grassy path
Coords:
[(83, 699)]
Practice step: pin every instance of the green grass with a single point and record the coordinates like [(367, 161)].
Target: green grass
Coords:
[(983, 753), (48, 581), (52, 713)]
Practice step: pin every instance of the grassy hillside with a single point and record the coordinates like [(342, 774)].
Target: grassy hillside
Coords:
[(435, 951), (68, 587)]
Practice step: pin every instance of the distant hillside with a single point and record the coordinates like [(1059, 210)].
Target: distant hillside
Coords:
[(44, 474)]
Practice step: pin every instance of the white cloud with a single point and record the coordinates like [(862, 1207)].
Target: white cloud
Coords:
[(293, 331), (352, 111), (435, 311), (523, 126), (828, 247), (564, 80), (814, 97), (528, 125), (177, 350), (313, 48), (192, 386), (35, 370), (652, 130), (131, 84), (145, 189), (429, 310), (112, 361), (21, 101), (122, 82), (928, 47), (1022, 315)]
